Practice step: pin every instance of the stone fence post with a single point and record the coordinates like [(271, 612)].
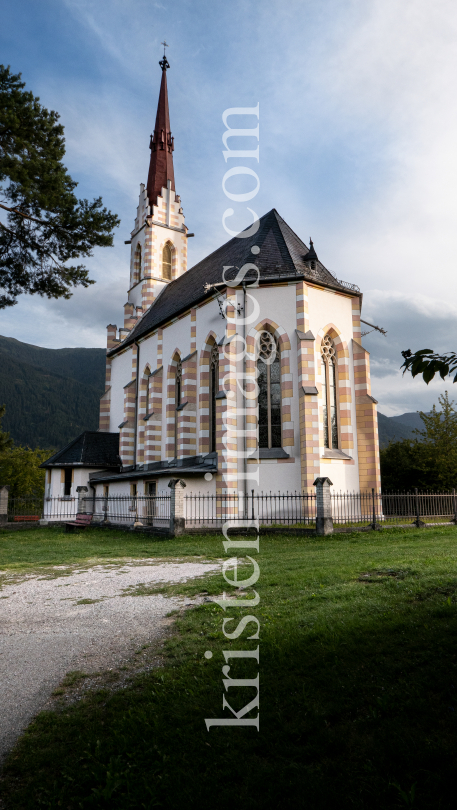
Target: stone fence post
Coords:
[(324, 518), (4, 492), (82, 496), (177, 515)]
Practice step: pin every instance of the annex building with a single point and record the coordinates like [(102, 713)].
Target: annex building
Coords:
[(174, 406)]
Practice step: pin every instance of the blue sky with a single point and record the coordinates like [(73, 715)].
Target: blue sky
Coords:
[(358, 126)]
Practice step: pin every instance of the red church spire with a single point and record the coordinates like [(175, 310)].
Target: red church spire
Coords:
[(161, 145)]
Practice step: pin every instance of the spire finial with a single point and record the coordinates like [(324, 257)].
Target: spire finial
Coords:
[(164, 64), (311, 256), (162, 146)]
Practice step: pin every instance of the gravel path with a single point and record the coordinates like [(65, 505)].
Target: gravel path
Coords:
[(45, 633)]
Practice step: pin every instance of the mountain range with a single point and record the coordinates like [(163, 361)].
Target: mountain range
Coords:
[(395, 428), (52, 395)]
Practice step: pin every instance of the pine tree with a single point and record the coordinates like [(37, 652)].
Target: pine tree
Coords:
[(439, 444), (46, 225), (430, 460)]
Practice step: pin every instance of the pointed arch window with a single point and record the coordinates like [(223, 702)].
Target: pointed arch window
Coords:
[(147, 380), (329, 380), (213, 389), (178, 395), (166, 262), (269, 383)]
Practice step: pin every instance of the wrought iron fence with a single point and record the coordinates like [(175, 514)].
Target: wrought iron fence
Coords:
[(291, 509), (392, 508), (356, 509), (65, 508), (28, 508), (268, 508), (146, 510)]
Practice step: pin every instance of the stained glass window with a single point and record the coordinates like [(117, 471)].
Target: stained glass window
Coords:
[(329, 397), (178, 386), (214, 387), (269, 382)]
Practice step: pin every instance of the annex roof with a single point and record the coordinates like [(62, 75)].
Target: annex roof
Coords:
[(282, 254), (89, 449)]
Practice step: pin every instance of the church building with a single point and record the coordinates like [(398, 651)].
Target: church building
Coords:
[(183, 400)]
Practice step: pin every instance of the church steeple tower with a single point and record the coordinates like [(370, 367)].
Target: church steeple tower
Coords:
[(159, 237), (161, 164)]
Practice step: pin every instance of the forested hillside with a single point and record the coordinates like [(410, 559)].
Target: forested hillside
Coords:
[(395, 428), (51, 395), (85, 365)]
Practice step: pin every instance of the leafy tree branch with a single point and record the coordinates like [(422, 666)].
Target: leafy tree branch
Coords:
[(428, 363)]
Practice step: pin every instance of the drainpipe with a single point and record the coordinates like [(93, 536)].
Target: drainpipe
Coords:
[(137, 387)]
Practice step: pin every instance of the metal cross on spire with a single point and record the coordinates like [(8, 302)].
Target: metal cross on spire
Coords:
[(164, 62)]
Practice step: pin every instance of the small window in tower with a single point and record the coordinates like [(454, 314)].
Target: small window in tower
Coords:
[(166, 262), (137, 265)]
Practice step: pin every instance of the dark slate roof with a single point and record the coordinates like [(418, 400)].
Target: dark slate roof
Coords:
[(90, 449), (282, 253), (180, 468)]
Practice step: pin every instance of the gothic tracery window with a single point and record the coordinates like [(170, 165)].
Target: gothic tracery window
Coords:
[(213, 389), (166, 262), (269, 383), (328, 355)]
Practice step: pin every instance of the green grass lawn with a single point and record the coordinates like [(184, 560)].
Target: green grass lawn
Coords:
[(358, 684)]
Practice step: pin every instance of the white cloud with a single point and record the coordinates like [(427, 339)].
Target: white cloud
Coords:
[(415, 322)]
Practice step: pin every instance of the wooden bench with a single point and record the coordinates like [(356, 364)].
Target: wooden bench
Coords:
[(82, 522), (17, 518)]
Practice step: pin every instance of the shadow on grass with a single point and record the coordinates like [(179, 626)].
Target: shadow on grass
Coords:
[(362, 715)]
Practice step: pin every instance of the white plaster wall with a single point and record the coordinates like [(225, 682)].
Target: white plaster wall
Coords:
[(343, 476), (209, 320), (121, 374), (148, 354), (176, 336), (278, 477), (327, 307), (134, 295), (277, 303)]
